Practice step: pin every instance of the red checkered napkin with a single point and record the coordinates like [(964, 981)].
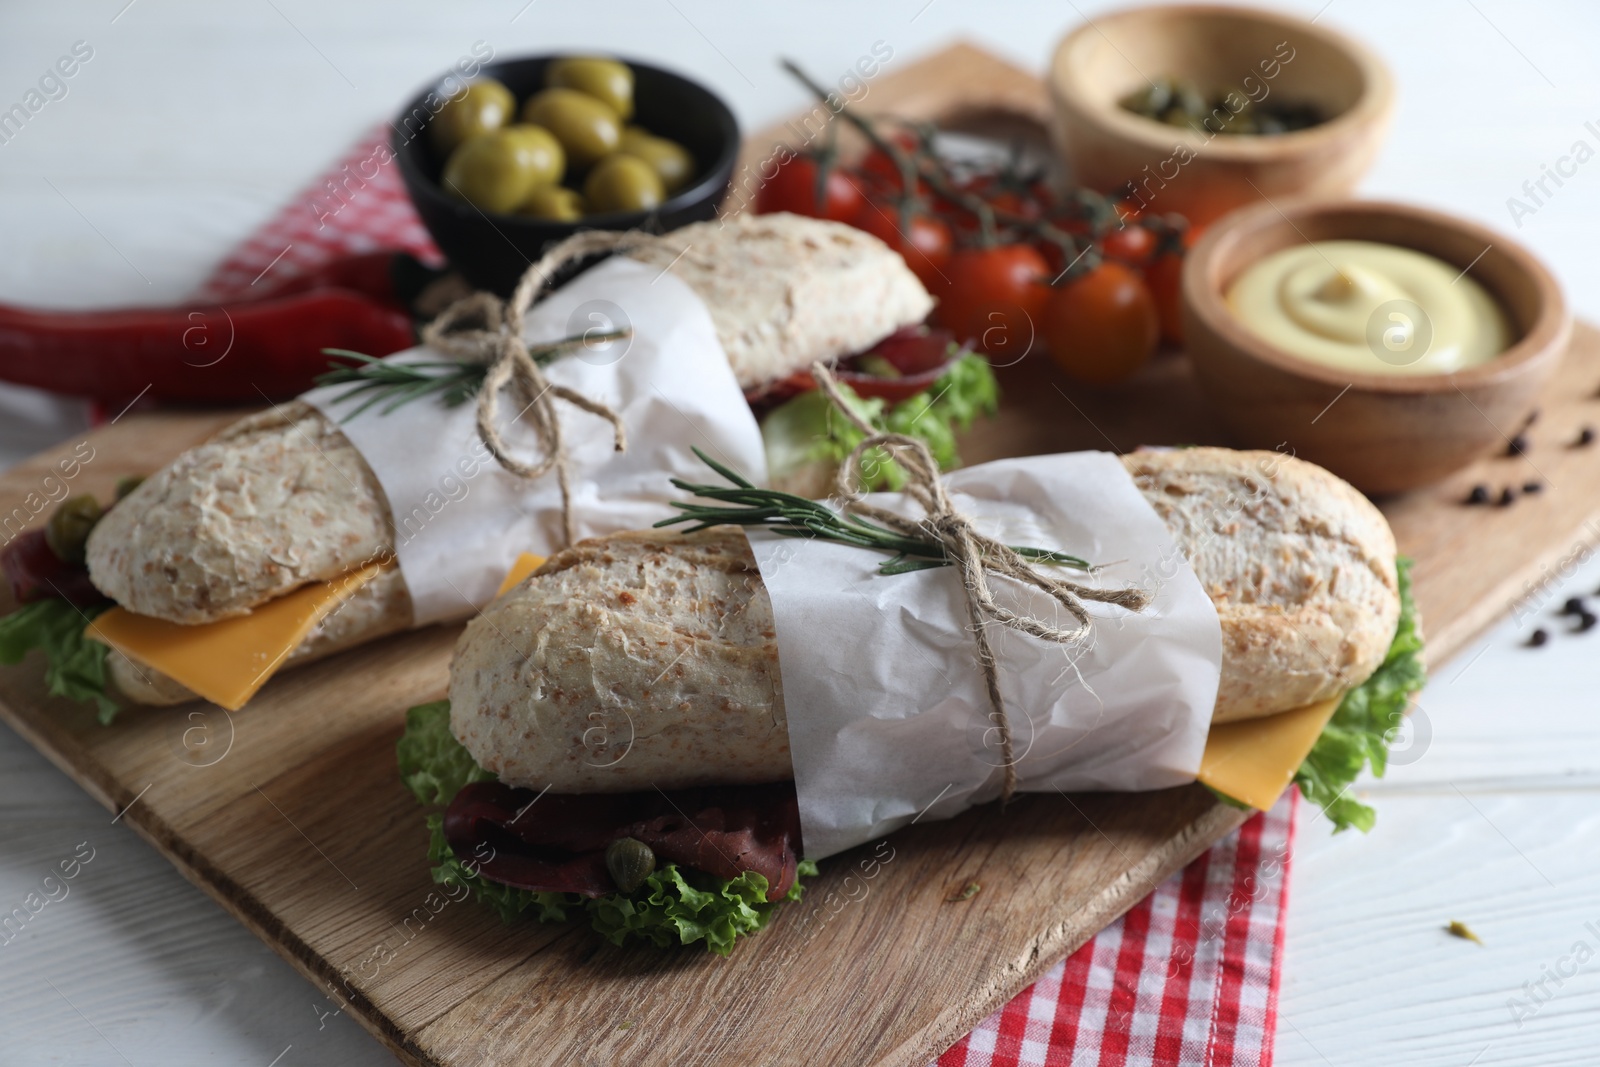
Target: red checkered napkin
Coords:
[(1189, 976), (358, 206)]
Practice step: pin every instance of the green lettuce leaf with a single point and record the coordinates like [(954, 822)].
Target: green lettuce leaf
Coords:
[(807, 436), (433, 764), (75, 666), (1359, 733), (673, 907)]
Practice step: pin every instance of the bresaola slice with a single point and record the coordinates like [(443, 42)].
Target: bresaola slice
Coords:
[(37, 573), (920, 354), (556, 843)]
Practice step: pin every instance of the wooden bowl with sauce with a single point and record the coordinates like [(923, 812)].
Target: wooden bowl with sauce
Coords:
[(1383, 432), (1264, 56)]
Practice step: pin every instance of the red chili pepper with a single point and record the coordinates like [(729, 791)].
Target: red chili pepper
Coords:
[(392, 277), (221, 353)]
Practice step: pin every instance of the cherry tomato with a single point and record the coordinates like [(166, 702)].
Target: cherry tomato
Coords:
[(1163, 277), (1129, 244), (994, 297), (1102, 327), (879, 166), (794, 188), (925, 245)]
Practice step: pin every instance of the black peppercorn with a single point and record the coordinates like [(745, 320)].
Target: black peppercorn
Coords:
[(1573, 606), (1479, 495), (1518, 445), (1585, 437), (1533, 487), (1507, 496), (1586, 621), (1537, 638)]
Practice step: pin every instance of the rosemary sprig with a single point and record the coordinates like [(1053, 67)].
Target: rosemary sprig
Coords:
[(455, 381), (743, 504)]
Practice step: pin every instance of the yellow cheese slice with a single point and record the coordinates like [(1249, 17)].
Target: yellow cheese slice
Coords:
[(227, 661), (525, 565), (1254, 760)]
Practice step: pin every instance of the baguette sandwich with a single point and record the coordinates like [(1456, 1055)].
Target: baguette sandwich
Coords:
[(675, 633), (282, 501)]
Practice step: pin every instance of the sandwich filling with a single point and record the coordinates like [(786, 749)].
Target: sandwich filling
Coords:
[(727, 856)]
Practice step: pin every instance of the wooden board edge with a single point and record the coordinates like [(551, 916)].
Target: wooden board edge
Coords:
[(241, 905), (1458, 634), (1061, 940), (256, 917)]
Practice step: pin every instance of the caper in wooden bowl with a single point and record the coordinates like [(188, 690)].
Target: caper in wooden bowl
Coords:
[(525, 152)]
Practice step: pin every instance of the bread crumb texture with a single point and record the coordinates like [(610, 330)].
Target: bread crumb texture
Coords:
[(628, 662), (273, 502), (1300, 566), (785, 291)]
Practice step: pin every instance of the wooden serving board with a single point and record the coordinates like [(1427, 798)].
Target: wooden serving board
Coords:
[(291, 813)]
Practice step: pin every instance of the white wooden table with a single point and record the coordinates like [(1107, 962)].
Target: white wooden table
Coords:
[(192, 122)]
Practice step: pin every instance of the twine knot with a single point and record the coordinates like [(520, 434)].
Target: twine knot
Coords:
[(483, 329), (976, 555)]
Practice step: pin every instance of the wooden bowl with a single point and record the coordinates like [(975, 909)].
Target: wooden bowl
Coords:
[(1383, 433), (1255, 54)]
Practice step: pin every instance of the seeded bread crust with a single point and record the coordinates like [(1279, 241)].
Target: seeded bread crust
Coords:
[(648, 659), (785, 291), (271, 503), (625, 662), (1300, 566)]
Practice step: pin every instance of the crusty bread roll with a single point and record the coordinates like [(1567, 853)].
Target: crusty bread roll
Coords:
[(1300, 566), (785, 291), (649, 659), (636, 658), (282, 498), (273, 502)]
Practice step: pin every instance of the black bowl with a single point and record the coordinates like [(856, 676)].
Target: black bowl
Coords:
[(493, 251)]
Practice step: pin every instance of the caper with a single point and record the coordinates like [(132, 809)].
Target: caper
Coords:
[(128, 483), (67, 532), (621, 182), (1152, 100), (604, 79), (878, 367), (586, 127), (630, 862), (555, 202), (670, 159), (482, 107)]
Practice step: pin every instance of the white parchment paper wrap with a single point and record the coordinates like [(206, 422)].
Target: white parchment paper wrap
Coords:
[(888, 716), (461, 520)]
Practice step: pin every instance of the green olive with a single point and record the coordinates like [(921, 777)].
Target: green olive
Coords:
[(555, 202), (669, 158), (587, 128), (621, 182), (630, 862), (484, 106), (128, 483), (67, 532), (549, 158), (493, 171), (604, 79)]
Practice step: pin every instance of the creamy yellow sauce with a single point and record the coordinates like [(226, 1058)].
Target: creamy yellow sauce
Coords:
[(1369, 307)]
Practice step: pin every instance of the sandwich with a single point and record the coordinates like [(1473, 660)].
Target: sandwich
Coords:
[(629, 689), (272, 545)]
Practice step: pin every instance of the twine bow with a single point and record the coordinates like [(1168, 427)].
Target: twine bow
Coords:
[(975, 554), (483, 329)]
